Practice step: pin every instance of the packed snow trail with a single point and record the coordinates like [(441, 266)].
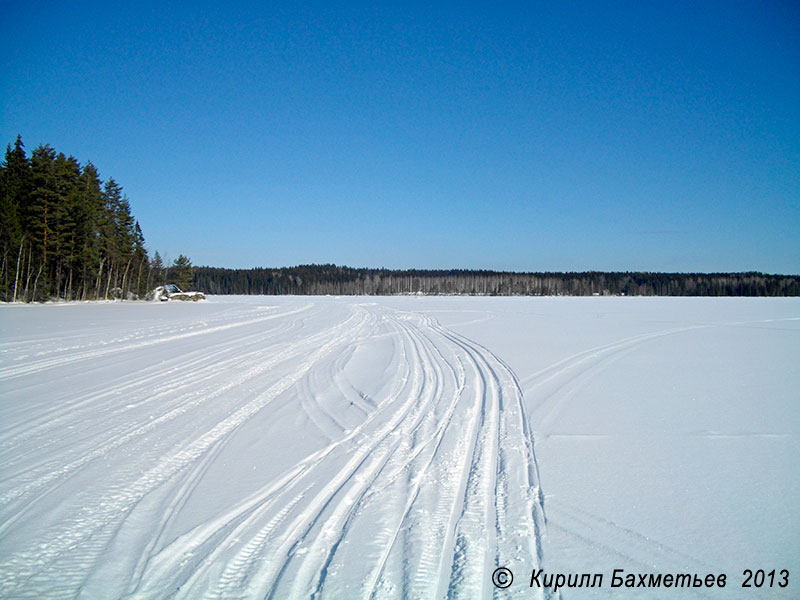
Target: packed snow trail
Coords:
[(308, 450), (352, 447)]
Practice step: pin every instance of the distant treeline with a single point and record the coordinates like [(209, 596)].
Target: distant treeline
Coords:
[(66, 234), (330, 279)]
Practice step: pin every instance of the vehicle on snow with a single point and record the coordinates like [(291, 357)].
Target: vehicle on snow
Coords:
[(173, 292)]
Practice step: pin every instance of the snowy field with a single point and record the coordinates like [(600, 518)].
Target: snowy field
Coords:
[(405, 447)]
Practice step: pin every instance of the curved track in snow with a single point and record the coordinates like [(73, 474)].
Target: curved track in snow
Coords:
[(308, 450)]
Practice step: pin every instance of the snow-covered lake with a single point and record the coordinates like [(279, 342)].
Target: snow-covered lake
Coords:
[(299, 447)]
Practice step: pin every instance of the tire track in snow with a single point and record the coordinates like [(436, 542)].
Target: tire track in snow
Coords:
[(515, 475), (296, 543), (304, 542), (265, 499), (480, 507), (588, 356), (545, 385), (50, 363), (427, 494), (80, 542), (183, 372), (180, 405), (607, 536), (412, 441), (638, 551), (401, 478), (433, 528)]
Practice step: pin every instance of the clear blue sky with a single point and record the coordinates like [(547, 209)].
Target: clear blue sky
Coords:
[(521, 136)]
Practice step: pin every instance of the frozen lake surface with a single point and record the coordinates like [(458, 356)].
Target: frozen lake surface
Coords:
[(404, 447)]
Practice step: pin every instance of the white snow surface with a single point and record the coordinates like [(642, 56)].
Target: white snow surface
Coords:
[(406, 447)]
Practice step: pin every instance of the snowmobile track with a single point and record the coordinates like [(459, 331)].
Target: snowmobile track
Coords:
[(421, 489)]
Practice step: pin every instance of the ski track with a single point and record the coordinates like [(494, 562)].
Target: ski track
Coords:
[(195, 368), (420, 491), (550, 390), (35, 366)]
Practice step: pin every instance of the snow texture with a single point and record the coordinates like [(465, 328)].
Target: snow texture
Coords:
[(252, 447)]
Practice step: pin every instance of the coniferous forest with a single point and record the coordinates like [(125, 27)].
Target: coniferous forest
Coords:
[(67, 234), (332, 279)]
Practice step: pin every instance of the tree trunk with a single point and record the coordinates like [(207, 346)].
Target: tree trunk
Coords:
[(99, 278), (28, 276), (58, 277), (16, 272), (139, 278), (125, 278), (69, 288), (35, 283), (44, 260), (4, 275), (108, 281)]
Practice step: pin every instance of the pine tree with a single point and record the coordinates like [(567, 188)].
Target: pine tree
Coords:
[(157, 270), (118, 233), (89, 218), (65, 223), (14, 187), (65, 233), (181, 273), (139, 258), (37, 219)]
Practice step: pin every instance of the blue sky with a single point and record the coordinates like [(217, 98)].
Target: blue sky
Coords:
[(517, 136)]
